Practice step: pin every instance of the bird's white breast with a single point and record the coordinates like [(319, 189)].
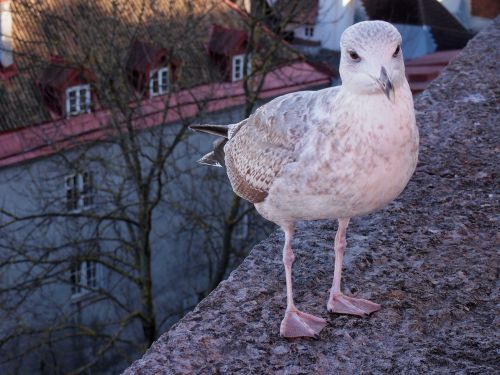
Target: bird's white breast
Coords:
[(355, 161)]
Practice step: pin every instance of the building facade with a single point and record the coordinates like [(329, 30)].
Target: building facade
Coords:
[(109, 231)]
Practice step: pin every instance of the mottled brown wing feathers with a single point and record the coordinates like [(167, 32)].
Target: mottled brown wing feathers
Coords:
[(261, 147), (240, 185)]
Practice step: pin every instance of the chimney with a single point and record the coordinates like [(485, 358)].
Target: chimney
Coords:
[(6, 58)]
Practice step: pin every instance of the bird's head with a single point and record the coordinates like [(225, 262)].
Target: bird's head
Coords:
[(371, 58)]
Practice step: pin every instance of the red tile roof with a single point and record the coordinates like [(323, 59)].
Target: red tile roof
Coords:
[(421, 71), (28, 143), (304, 12), (485, 8), (100, 35), (436, 58), (58, 75), (226, 41), (142, 55), (94, 37)]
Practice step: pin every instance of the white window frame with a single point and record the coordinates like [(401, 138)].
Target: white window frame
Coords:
[(309, 31), (80, 282), (237, 61), (159, 81), (75, 104), (79, 191)]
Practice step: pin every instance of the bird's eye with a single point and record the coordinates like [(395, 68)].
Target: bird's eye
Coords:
[(396, 52), (353, 55)]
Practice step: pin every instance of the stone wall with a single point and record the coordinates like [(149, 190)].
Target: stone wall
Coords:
[(431, 259)]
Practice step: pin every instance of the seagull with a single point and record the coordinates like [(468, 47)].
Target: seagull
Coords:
[(335, 153)]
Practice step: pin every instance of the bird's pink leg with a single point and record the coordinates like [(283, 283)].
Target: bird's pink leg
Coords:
[(339, 302), (296, 323)]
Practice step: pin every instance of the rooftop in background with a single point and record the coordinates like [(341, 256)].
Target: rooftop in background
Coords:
[(447, 31), (305, 12), (225, 41), (421, 71), (99, 35), (113, 52)]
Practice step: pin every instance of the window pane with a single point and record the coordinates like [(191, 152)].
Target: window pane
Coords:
[(88, 266), (71, 199), (71, 192), (154, 84), (83, 275), (237, 67), (72, 103), (164, 80), (87, 200), (92, 281), (86, 182), (82, 105), (79, 191), (78, 99), (70, 182)]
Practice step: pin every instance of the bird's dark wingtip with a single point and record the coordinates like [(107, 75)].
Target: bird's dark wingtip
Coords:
[(218, 130)]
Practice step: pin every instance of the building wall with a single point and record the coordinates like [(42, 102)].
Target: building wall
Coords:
[(179, 264), (473, 14), (417, 40), (334, 16)]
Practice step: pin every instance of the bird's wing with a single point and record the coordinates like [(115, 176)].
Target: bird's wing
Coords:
[(272, 137)]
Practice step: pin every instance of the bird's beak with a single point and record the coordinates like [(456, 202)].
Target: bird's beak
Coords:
[(386, 85)]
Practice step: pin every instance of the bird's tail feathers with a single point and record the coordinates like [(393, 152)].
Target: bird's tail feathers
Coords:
[(215, 158), (219, 130), (209, 159)]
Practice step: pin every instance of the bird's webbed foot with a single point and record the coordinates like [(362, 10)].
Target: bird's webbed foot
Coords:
[(342, 304), (299, 324)]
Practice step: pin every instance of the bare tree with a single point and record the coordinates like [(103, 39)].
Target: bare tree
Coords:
[(85, 233), (263, 54)]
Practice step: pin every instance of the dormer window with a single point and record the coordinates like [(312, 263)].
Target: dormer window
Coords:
[(77, 100), (309, 31), (227, 48), (66, 88), (238, 65), (151, 68), (158, 82)]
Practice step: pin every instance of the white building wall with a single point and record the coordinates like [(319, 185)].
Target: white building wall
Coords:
[(417, 40), (334, 16), (460, 9), (179, 269), (299, 31)]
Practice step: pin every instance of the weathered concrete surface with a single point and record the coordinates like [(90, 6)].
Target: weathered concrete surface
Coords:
[(431, 259)]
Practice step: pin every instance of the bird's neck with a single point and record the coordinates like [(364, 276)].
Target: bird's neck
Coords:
[(365, 101)]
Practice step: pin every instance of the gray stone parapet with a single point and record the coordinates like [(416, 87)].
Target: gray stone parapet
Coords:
[(431, 259)]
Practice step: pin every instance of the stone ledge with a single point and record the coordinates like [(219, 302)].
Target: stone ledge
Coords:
[(431, 258)]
